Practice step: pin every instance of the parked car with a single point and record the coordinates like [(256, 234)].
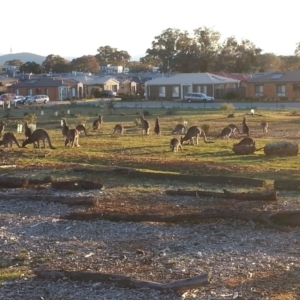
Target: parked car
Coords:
[(198, 97), (38, 99), (14, 100), (7, 97), (22, 100), (108, 94)]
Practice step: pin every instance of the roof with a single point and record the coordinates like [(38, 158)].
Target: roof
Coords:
[(46, 81), (237, 76), (192, 78), (284, 76)]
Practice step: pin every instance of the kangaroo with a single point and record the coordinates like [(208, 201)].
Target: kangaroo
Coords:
[(72, 138), (65, 127), (37, 136), (27, 130), (226, 133), (235, 129), (119, 128), (8, 139), (81, 128), (97, 123), (2, 127), (175, 145), (179, 129), (246, 129), (157, 126), (264, 126), (194, 132), (145, 125), (246, 141)]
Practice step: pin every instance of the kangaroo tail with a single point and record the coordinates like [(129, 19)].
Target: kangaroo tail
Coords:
[(259, 149), (16, 141), (49, 142)]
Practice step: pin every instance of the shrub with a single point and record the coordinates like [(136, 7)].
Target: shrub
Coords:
[(146, 113), (227, 107), (172, 111), (30, 118)]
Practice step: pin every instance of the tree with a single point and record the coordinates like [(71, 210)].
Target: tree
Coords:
[(148, 62), (14, 62), (112, 56), (32, 67), (86, 63), (56, 64), (297, 50), (267, 62)]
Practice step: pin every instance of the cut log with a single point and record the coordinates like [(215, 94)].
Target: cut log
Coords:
[(249, 196), (47, 179), (77, 185), (282, 217), (293, 185), (127, 282), (282, 148), (13, 182)]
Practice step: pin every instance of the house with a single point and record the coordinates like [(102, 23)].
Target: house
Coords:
[(5, 82), (176, 86), (276, 85), (56, 88)]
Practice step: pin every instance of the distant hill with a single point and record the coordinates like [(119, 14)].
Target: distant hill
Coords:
[(24, 57)]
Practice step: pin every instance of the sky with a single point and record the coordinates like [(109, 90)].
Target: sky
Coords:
[(73, 28)]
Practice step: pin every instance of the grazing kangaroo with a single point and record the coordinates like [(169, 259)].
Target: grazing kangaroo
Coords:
[(119, 128), (175, 145), (246, 141), (2, 127), (235, 129), (157, 126), (194, 132), (8, 139), (37, 136), (97, 123), (246, 129), (65, 127), (226, 133), (179, 129), (81, 128), (145, 125), (72, 138), (264, 126)]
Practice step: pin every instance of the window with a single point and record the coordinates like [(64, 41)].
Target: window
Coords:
[(46, 91), (259, 91), (277, 76), (204, 89), (175, 91), (29, 92), (16, 91), (162, 91), (281, 90)]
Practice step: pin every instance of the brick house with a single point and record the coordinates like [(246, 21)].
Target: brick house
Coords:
[(5, 82), (276, 85), (56, 88)]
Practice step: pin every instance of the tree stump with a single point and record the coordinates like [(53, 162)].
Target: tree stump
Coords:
[(282, 148)]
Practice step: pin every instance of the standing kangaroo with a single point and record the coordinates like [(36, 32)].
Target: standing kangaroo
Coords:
[(8, 139), (246, 129), (226, 133), (194, 132), (175, 145), (27, 130), (37, 136), (118, 128), (2, 127), (157, 126), (97, 123), (65, 127), (145, 125), (72, 138), (179, 129), (264, 126), (81, 128)]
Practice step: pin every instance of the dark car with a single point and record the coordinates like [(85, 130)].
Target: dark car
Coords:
[(22, 100), (108, 94)]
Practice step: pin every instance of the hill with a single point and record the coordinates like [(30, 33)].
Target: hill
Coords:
[(24, 57)]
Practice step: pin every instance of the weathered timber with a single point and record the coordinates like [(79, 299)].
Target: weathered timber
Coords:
[(249, 196), (13, 182), (284, 218), (127, 282), (77, 185), (281, 148), (47, 179), (293, 185)]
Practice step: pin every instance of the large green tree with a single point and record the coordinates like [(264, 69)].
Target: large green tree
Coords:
[(112, 56), (32, 67), (56, 64), (86, 63), (14, 62)]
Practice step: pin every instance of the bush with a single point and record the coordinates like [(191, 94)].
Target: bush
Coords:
[(172, 111), (227, 107), (146, 113), (30, 118)]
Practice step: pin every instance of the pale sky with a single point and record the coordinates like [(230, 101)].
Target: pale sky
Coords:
[(71, 28)]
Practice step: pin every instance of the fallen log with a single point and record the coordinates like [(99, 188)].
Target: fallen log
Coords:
[(126, 282), (47, 179), (281, 148), (13, 182), (245, 196), (77, 185), (284, 218), (287, 184)]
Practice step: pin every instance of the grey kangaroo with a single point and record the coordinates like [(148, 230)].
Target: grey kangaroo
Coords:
[(65, 127), (194, 132), (81, 128), (118, 129), (226, 133), (157, 126), (145, 125), (37, 136), (235, 129), (179, 129), (175, 145), (246, 129), (2, 127), (264, 126), (97, 123), (8, 139), (72, 138)]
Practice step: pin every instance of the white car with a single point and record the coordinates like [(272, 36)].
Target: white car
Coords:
[(198, 97), (38, 99)]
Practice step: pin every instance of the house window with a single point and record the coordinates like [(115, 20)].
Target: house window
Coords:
[(175, 91), (38, 91), (73, 92), (16, 91), (198, 89), (29, 92), (259, 91), (204, 89), (281, 90), (46, 91), (162, 91)]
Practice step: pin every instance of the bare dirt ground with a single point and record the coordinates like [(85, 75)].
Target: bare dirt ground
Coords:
[(247, 260)]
